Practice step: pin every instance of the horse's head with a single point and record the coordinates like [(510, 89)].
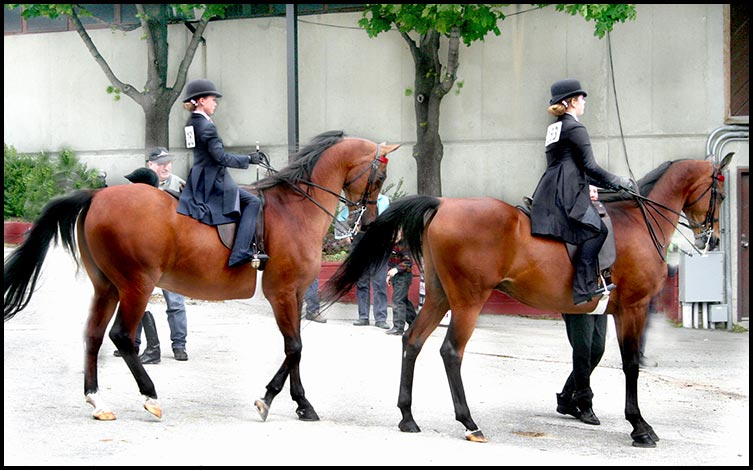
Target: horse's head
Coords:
[(703, 206), (365, 178)]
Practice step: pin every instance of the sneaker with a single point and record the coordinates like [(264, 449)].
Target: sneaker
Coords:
[(382, 324), (644, 362), (394, 331), (180, 354), (315, 317), (361, 322)]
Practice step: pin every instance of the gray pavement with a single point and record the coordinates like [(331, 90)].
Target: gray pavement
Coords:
[(697, 400)]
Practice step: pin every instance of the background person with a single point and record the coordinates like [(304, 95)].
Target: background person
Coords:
[(376, 279), (160, 174), (587, 336), (400, 275)]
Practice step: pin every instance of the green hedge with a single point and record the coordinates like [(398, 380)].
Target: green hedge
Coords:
[(31, 180)]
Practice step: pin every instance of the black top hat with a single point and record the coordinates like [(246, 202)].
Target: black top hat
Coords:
[(565, 88)]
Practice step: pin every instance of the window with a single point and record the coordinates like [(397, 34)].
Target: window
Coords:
[(112, 13), (737, 75)]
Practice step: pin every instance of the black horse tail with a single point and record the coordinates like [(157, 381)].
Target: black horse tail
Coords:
[(21, 269), (410, 215)]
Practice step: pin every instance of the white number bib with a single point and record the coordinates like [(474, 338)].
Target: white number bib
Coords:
[(190, 137), (553, 133)]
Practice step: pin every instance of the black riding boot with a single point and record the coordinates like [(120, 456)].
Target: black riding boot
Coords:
[(584, 400), (566, 405), (151, 354)]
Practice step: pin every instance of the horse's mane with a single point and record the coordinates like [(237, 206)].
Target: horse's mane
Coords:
[(303, 161), (645, 184)]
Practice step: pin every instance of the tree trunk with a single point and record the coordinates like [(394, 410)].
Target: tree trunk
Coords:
[(428, 150), (157, 129)]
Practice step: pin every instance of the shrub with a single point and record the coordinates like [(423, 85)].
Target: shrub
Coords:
[(31, 180)]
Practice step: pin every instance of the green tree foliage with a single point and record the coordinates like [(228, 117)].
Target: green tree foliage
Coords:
[(422, 26)]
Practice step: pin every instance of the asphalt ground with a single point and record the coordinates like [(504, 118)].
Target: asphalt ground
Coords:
[(697, 399)]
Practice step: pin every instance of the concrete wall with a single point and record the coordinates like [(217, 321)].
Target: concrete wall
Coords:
[(668, 67)]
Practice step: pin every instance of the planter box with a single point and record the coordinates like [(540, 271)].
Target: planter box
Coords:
[(15, 232)]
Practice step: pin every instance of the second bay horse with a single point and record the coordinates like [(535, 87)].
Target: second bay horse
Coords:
[(471, 246)]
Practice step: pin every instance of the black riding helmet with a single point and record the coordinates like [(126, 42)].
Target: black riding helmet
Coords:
[(564, 89), (200, 87)]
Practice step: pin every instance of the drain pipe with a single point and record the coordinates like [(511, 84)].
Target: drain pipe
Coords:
[(716, 141)]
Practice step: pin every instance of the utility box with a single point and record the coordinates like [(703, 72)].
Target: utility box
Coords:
[(718, 313), (702, 277)]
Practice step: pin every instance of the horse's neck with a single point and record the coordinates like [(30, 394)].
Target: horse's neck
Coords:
[(674, 189)]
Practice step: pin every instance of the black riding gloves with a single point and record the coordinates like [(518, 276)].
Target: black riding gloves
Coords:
[(255, 158), (627, 184)]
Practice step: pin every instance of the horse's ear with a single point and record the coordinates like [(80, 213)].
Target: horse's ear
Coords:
[(388, 149), (726, 160)]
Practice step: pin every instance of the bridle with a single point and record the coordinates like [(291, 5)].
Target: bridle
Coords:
[(706, 227), (360, 206), (364, 201)]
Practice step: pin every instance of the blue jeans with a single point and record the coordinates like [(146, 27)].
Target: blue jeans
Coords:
[(311, 297), (376, 279), (176, 319), (402, 308)]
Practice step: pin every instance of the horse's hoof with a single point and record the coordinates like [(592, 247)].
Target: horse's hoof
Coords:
[(102, 415), (643, 441), (409, 426), (262, 408), (652, 434), (307, 414), (476, 436), (153, 407)]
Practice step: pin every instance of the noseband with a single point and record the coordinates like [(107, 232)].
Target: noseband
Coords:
[(707, 226), (361, 205)]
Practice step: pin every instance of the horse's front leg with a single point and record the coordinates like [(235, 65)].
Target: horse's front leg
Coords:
[(290, 366), (630, 324)]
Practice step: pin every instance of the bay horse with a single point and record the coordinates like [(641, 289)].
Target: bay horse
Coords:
[(131, 240), (471, 246)]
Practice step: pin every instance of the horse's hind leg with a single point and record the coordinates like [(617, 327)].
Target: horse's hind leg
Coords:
[(413, 341), (102, 307), (629, 324), (462, 323)]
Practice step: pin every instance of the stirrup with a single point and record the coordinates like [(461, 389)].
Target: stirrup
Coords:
[(604, 286)]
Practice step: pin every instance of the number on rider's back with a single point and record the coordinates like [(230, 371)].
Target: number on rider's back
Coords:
[(553, 133), (190, 137)]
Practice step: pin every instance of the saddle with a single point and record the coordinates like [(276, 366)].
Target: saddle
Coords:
[(608, 252), (227, 231)]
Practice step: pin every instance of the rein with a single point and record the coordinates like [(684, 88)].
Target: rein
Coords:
[(707, 226), (359, 205), (645, 204)]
